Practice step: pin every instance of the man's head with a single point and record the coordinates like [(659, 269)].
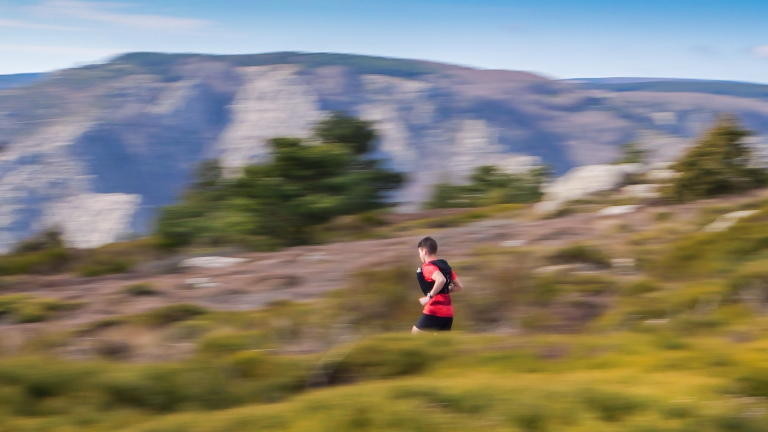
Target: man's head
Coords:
[(427, 248)]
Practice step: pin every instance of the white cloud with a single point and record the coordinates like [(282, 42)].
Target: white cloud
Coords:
[(110, 13), (760, 51), (54, 49), (26, 24)]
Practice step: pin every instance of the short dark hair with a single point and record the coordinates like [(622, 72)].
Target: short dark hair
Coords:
[(429, 244)]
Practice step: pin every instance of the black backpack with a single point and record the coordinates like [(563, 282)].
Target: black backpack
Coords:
[(444, 268)]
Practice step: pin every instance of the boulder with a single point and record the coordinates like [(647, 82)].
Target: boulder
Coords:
[(661, 174), (618, 210), (644, 191), (584, 181), (727, 220), (91, 220), (211, 262), (513, 243)]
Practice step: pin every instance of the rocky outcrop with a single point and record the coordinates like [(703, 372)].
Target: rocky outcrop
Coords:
[(91, 220), (272, 102), (586, 180), (35, 172)]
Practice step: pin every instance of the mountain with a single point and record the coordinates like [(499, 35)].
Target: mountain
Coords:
[(19, 80), (96, 149), (627, 80), (727, 88)]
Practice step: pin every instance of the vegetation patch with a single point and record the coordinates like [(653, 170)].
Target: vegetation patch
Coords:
[(582, 254), (170, 314), (489, 186), (282, 203), (140, 289), (23, 308)]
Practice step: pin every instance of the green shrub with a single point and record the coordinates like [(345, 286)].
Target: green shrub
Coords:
[(306, 185), (531, 416), (41, 378), (140, 289), (712, 253), (23, 308), (750, 280), (101, 324), (496, 297), (189, 330), (581, 254), (46, 240), (611, 406), (562, 211), (718, 164), (640, 287), (754, 382), (381, 299), (104, 265), (170, 314), (45, 257), (391, 355), (157, 387), (469, 401), (40, 262), (250, 364), (488, 187), (170, 387), (224, 343), (545, 289)]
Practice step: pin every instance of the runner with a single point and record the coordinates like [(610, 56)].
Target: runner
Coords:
[(437, 280)]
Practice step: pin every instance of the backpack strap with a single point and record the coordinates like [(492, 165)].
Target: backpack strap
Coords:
[(447, 273)]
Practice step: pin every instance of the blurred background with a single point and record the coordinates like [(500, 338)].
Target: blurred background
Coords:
[(209, 215)]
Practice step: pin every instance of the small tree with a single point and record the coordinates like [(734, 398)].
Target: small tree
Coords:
[(340, 128), (718, 164), (489, 186), (631, 153), (280, 203), (45, 240)]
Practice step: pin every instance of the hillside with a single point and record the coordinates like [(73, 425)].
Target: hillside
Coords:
[(636, 321), (95, 150), (726, 88)]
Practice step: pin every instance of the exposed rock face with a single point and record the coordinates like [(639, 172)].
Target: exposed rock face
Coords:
[(127, 134), (91, 220), (35, 172), (643, 191), (273, 102), (582, 181)]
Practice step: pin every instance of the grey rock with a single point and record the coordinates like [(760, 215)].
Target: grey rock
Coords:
[(644, 191), (618, 210), (585, 180), (91, 220), (724, 222)]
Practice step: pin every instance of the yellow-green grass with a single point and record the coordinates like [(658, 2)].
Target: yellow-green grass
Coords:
[(622, 381)]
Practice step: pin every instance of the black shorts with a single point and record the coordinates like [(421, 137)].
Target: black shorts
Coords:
[(432, 322)]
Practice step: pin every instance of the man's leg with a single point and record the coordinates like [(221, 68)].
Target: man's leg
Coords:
[(415, 330)]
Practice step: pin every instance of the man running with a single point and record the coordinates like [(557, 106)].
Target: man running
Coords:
[(437, 280)]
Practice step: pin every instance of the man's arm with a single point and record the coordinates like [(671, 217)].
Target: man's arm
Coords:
[(456, 285), (439, 282)]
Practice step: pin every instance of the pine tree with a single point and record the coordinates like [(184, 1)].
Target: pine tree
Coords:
[(718, 164)]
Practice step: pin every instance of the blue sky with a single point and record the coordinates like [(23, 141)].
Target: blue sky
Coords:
[(708, 39)]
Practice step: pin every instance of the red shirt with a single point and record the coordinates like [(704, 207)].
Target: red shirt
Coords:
[(440, 305)]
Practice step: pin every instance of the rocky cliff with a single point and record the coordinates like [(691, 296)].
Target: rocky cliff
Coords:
[(95, 150)]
